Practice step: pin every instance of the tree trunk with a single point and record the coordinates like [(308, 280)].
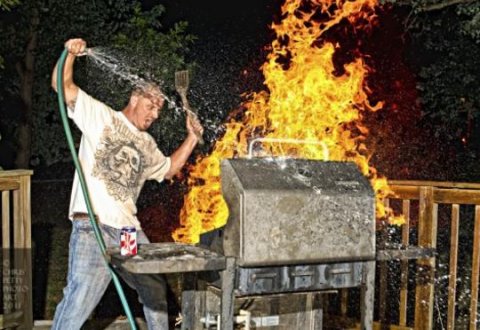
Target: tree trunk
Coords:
[(26, 72)]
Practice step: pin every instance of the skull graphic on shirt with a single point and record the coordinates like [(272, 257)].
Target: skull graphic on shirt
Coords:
[(119, 163)]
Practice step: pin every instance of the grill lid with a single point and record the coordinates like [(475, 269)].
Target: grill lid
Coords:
[(290, 211)]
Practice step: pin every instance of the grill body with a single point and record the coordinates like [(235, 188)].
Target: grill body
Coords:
[(296, 227), (294, 211)]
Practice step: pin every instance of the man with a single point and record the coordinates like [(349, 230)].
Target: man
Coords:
[(117, 156)]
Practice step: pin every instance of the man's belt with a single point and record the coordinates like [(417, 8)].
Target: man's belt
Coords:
[(81, 216)]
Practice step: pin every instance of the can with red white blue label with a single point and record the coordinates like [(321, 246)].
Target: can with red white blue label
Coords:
[(128, 241)]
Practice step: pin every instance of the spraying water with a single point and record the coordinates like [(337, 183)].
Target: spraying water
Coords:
[(122, 70), (107, 60)]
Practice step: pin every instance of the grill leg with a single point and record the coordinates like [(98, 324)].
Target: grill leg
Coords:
[(188, 301), (228, 280), (368, 295)]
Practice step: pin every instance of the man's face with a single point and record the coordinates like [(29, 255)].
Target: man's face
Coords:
[(147, 109)]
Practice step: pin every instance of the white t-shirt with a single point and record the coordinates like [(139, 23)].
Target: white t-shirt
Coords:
[(116, 159)]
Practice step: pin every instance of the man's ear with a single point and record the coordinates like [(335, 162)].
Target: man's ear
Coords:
[(133, 100)]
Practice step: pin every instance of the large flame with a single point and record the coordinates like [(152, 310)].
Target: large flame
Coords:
[(305, 102)]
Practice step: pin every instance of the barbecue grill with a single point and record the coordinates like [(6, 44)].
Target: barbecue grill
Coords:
[(296, 227), (294, 211)]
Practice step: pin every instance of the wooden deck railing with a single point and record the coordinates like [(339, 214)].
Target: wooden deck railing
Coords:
[(16, 250), (419, 201)]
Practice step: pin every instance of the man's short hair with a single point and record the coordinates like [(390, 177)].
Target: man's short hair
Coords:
[(148, 89)]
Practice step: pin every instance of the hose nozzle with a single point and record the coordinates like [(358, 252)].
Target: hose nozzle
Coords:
[(87, 51)]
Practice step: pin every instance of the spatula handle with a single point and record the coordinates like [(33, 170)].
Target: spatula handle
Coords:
[(193, 115)]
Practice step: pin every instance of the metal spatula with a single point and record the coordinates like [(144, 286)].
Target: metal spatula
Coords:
[(181, 85)]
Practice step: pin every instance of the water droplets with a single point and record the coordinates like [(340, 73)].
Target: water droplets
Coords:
[(105, 59)]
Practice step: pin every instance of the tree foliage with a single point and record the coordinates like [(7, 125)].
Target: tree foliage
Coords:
[(8, 4), (441, 48), (444, 39)]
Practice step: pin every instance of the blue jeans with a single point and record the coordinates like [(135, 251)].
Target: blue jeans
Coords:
[(88, 278)]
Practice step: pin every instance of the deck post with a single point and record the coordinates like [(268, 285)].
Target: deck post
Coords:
[(427, 238), (16, 249)]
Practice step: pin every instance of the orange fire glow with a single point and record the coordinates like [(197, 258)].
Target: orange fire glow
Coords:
[(305, 101)]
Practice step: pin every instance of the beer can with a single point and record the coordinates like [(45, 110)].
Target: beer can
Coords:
[(128, 241)]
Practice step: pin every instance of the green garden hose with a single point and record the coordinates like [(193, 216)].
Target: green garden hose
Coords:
[(96, 230)]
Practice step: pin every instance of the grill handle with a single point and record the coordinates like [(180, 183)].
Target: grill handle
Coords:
[(326, 153)]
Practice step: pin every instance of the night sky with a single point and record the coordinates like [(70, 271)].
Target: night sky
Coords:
[(209, 15)]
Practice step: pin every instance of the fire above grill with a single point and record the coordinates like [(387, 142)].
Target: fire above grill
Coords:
[(295, 211)]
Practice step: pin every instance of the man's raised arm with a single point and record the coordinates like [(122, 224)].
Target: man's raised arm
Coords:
[(76, 47)]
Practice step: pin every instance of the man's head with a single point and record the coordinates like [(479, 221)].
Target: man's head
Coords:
[(145, 104)]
